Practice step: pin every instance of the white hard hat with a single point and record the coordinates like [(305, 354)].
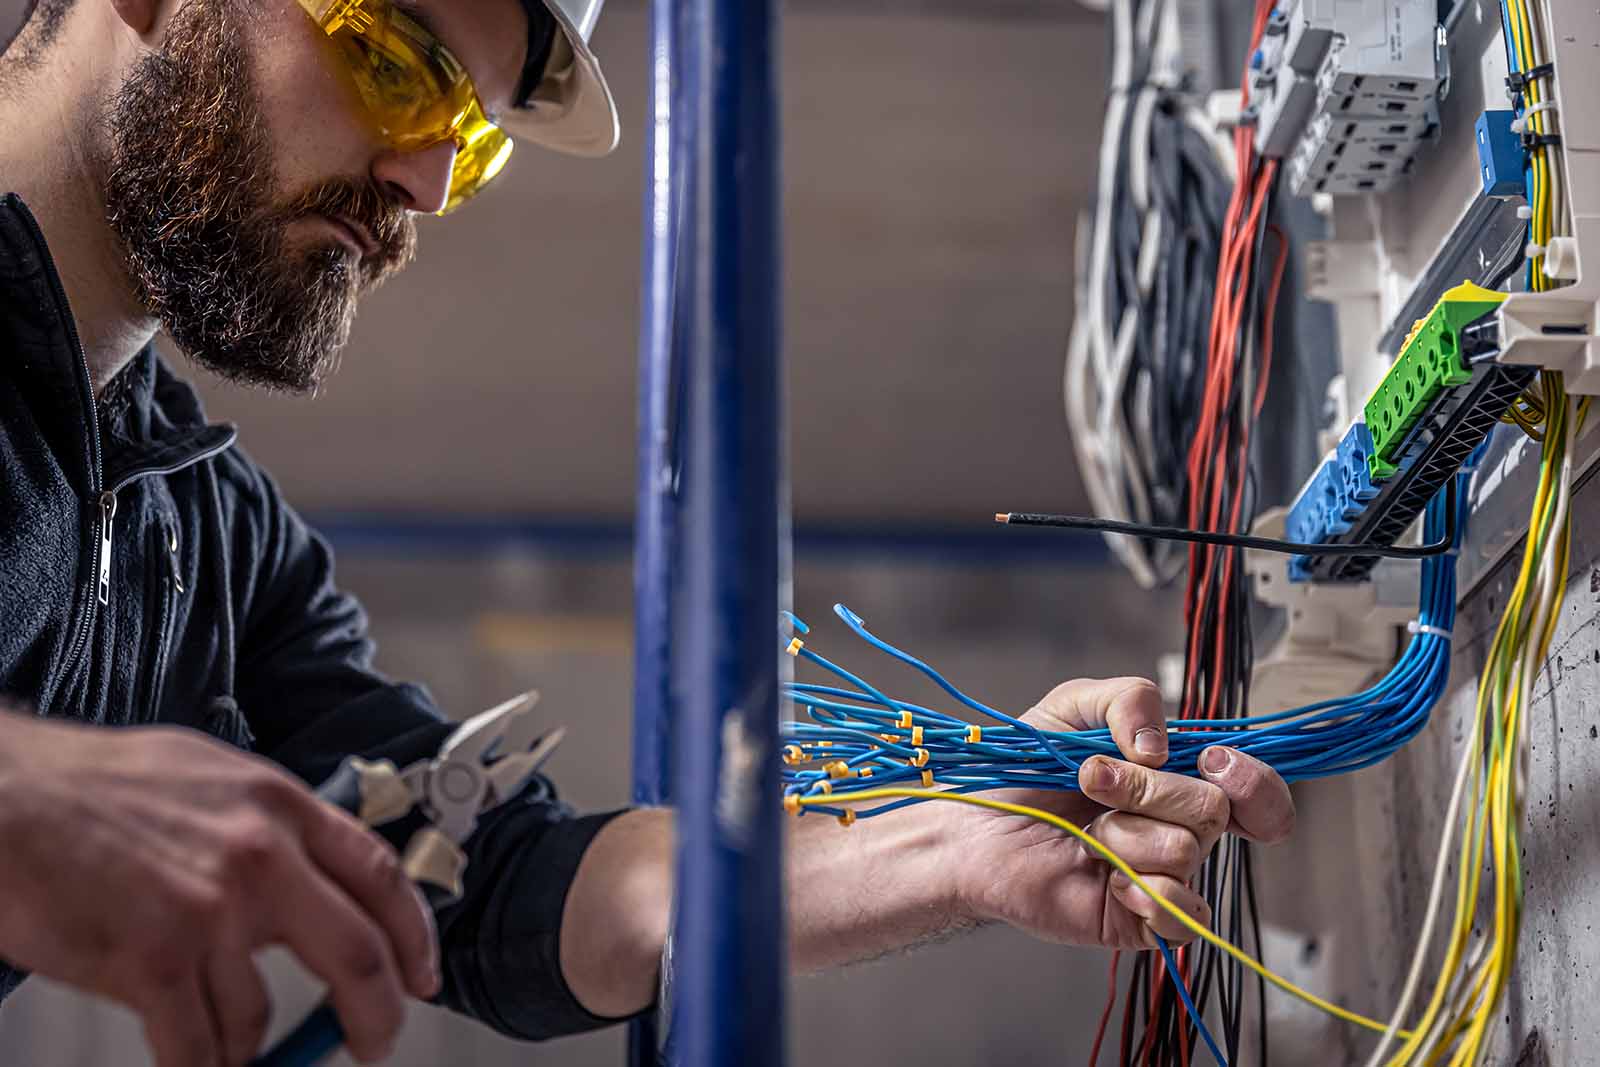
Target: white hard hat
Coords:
[(570, 109)]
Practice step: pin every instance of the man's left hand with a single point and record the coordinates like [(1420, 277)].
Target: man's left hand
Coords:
[(1028, 874)]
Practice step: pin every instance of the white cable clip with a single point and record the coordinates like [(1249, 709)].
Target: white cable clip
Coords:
[(1416, 627)]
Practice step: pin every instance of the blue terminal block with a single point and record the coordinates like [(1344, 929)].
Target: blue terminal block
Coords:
[(1359, 487), (1334, 498), (1501, 157), (1304, 524), (1317, 515)]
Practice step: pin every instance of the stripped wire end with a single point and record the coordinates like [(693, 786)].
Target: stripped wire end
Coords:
[(1002, 516)]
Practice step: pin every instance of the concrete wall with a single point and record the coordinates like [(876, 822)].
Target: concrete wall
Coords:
[(935, 157), (1349, 892)]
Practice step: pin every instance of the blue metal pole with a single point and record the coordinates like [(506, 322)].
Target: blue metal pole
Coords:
[(727, 1000), (655, 504), (660, 361)]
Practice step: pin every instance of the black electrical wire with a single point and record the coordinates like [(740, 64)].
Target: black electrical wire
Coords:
[(1188, 195), (1228, 540), (1224, 684)]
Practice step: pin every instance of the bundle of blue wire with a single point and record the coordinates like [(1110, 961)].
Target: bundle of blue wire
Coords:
[(856, 736)]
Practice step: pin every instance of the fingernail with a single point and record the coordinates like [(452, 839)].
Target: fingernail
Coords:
[(425, 978), (1097, 774), (1150, 742), (1120, 882), (1215, 760)]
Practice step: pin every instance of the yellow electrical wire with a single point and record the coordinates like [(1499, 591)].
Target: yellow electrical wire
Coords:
[(1521, 643), (1530, 412), (1196, 927), (1458, 1022)]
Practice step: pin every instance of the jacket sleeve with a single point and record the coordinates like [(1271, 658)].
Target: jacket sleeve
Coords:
[(308, 691)]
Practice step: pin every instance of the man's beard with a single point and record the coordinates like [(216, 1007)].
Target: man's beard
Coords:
[(190, 187)]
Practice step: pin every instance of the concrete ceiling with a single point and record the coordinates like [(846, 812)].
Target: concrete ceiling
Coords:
[(935, 162)]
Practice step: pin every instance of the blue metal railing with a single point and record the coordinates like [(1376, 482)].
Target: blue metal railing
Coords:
[(656, 507), (709, 564)]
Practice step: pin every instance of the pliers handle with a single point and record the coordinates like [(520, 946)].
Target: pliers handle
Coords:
[(353, 788), (484, 763)]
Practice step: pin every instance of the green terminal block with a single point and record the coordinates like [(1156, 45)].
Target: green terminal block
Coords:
[(1430, 362)]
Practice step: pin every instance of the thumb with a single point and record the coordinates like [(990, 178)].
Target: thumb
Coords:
[(1130, 708)]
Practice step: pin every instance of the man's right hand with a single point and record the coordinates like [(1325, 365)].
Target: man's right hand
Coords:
[(146, 864)]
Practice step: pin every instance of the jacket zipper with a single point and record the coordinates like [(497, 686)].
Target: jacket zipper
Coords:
[(102, 542), (108, 515)]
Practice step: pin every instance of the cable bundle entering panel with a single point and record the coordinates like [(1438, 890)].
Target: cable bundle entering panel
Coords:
[(856, 736)]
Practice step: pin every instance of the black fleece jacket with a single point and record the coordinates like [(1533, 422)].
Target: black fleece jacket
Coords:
[(150, 572)]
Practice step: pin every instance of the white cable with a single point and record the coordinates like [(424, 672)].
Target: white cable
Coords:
[(1075, 389), (1431, 915), (1091, 380), (1109, 403), (1114, 427), (1116, 440), (1148, 17), (1151, 249), (1144, 106), (1077, 384), (1100, 256)]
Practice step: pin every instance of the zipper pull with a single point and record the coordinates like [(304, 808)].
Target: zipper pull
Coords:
[(172, 558), (108, 514)]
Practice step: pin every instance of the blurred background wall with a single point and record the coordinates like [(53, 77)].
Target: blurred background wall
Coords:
[(473, 461)]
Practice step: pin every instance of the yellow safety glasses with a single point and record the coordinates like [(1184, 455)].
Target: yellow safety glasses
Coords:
[(417, 93)]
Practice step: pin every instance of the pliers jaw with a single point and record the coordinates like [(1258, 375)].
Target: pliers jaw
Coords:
[(485, 762)]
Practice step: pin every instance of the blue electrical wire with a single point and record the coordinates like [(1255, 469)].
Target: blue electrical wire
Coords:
[(856, 736), (1188, 1002)]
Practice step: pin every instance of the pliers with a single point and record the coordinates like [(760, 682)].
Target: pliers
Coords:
[(483, 764)]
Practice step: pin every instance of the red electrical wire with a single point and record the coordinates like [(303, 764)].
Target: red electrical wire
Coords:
[(1105, 1014), (1183, 1025), (1208, 477), (1217, 460), (1206, 447), (1268, 319), (1157, 974)]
